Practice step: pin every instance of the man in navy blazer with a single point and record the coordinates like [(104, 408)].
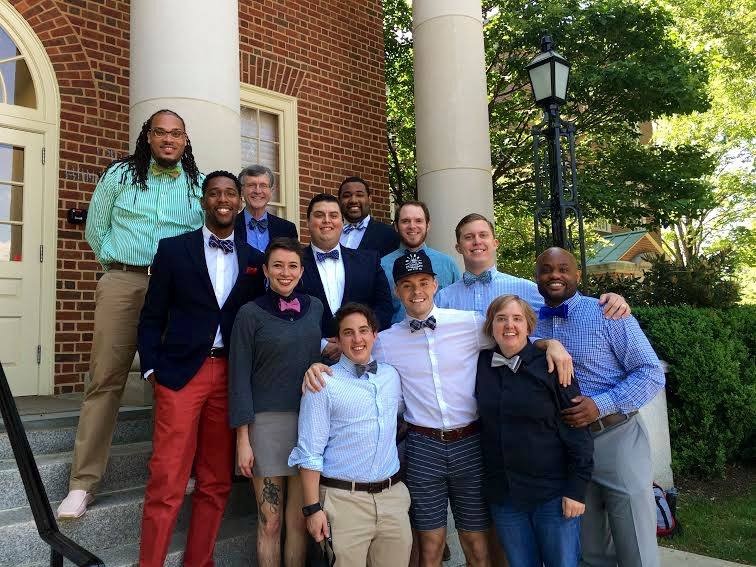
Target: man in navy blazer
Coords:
[(255, 222), (361, 231), (337, 275), (199, 280)]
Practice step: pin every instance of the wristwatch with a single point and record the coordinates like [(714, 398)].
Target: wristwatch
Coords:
[(311, 509)]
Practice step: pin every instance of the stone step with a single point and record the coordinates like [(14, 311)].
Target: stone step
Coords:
[(235, 547), (56, 433), (127, 468), (112, 521)]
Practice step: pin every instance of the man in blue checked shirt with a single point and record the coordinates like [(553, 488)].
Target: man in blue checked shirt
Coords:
[(481, 282), (347, 455), (618, 373)]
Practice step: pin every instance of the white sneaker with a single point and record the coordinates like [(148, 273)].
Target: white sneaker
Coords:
[(74, 505)]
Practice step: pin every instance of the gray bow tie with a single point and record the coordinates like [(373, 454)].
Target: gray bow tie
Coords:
[(499, 360)]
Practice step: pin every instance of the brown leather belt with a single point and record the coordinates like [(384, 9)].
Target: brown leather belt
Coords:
[(610, 421), (369, 487), (446, 435), (218, 352), (117, 266)]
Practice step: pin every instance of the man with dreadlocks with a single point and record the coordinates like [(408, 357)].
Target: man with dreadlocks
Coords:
[(152, 194)]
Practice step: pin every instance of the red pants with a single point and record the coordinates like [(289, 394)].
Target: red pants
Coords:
[(191, 425)]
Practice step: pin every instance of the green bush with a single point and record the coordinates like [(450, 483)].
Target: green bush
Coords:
[(711, 383)]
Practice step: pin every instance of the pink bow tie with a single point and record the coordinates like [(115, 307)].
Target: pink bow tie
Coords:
[(292, 305)]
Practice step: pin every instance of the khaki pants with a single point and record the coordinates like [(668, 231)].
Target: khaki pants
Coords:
[(118, 302), (369, 529)]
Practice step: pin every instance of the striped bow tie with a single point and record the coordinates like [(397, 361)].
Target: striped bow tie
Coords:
[(359, 226), (512, 363), (226, 245), (547, 312), (371, 367), (417, 324), (158, 170), (323, 256), (259, 225), (468, 279)]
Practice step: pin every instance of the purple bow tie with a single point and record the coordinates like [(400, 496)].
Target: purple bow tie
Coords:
[(547, 312), (226, 245), (292, 305)]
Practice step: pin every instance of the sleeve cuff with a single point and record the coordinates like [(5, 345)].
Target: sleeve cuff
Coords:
[(147, 374), (575, 489), (605, 404), (304, 461), (323, 343)]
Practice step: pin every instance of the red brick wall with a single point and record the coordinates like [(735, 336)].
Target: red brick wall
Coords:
[(327, 53)]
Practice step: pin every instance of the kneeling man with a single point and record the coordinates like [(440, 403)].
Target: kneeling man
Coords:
[(347, 452)]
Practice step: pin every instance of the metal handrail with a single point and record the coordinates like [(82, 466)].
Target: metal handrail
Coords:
[(60, 545)]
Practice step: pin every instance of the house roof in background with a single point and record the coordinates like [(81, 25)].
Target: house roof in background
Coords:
[(617, 245)]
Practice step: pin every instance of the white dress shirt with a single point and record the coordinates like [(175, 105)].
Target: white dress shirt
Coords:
[(331, 276), (222, 269), (437, 367), (353, 239)]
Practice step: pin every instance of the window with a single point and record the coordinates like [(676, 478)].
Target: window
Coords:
[(16, 85), (269, 137), (11, 202)]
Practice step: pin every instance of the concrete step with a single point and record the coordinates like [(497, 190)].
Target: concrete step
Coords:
[(127, 468), (112, 521), (56, 433), (235, 548)]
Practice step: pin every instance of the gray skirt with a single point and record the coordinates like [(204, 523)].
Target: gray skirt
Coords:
[(273, 435)]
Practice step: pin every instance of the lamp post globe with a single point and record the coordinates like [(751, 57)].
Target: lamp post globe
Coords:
[(549, 74)]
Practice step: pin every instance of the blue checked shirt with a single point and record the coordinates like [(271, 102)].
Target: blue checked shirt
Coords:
[(126, 222), (255, 238), (446, 270), (614, 362), (348, 429), (479, 296)]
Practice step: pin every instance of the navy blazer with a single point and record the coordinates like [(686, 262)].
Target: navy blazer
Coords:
[(181, 315), (277, 227), (379, 236), (364, 282)]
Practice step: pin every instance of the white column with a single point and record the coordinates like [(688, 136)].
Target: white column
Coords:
[(451, 115), (185, 57)]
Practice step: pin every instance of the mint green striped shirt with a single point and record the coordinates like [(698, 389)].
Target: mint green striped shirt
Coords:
[(125, 222)]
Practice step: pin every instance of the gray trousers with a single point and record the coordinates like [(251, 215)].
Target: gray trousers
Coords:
[(619, 525)]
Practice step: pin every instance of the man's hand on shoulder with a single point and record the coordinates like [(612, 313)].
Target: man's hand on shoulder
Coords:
[(313, 378), (560, 360), (615, 306)]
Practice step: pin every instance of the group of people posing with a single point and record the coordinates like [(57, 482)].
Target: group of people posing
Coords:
[(303, 367)]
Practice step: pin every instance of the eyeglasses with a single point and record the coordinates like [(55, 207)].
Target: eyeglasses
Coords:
[(261, 186), (160, 133)]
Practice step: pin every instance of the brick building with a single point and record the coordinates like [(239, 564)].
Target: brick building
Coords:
[(300, 90)]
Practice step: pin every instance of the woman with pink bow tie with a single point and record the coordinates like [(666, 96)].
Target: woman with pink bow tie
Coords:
[(274, 340)]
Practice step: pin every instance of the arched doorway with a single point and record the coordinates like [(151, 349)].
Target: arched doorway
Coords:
[(29, 110)]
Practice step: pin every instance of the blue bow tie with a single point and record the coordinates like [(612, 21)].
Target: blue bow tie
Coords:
[(359, 226), (468, 279), (226, 245), (417, 324), (500, 360), (322, 256), (547, 312), (371, 367), (261, 225)]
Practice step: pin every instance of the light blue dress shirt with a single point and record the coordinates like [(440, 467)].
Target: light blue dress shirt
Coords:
[(478, 296), (446, 270), (255, 238), (347, 430), (614, 362), (353, 237)]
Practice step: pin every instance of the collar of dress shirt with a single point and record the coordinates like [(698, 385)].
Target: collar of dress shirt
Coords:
[(403, 248), (346, 363), (206, 235), (316, 249), (152, 161), (248, 216), (571, 302), (433, 312)]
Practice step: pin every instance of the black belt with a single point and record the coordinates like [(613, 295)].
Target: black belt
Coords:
[(610, 421), (218, 352), (369, 487), (446, 435), (119, 267)]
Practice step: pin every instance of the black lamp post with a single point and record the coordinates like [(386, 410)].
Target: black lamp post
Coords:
[(549, 76)]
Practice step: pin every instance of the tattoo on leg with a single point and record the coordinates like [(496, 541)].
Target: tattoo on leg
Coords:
[(271, 493)]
